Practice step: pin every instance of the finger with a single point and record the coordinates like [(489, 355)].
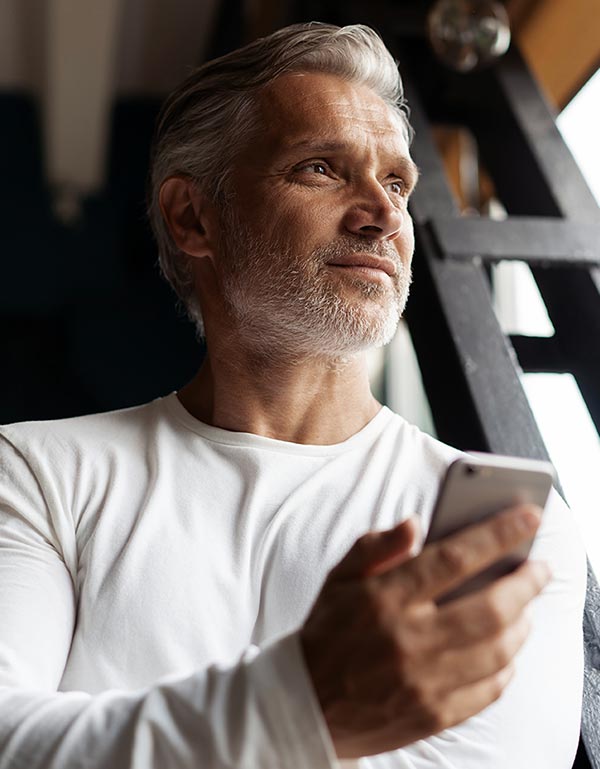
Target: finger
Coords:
[(471, 699), (487, 612), (468, 665), (377, 551), (444, 565)]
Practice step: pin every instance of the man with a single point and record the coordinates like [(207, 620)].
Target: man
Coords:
[(185, 584)]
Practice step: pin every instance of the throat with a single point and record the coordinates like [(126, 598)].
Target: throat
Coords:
[(312, 405)]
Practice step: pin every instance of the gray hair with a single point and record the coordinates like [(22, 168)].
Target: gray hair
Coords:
[(209, 118)]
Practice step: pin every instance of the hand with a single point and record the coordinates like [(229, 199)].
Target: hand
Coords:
[(389, 665)]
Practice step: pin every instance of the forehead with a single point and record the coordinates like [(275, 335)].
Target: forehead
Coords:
[(313, 106)]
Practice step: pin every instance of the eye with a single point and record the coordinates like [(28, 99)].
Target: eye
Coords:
[(317, 168), (398, 187)]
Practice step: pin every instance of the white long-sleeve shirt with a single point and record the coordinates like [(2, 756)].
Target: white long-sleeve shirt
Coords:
[(154, 572)]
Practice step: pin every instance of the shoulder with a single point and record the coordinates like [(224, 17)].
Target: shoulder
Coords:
[(52, 472), (60, 463), (409, 440), (55, 440), (418, 449)]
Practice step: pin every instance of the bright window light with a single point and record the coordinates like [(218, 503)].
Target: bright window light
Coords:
[(563, 419), (579, 123), (574, 447)]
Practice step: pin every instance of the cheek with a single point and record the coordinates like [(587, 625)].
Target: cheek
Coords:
[(305, 224), (278, 218), (405, 243)]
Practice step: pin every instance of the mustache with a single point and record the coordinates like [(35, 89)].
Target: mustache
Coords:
[(356, 245)]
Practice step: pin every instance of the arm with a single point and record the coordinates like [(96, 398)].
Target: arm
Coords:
[(261, 712), (258, 713)]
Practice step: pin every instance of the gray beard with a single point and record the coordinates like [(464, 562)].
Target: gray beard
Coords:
[(290, 306)]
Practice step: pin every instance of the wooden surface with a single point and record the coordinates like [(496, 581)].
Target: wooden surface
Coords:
[(560, 40)]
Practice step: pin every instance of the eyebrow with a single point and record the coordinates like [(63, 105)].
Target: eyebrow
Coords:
[(404, 163)]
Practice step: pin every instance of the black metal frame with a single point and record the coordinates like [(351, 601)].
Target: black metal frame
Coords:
[(461, 349)]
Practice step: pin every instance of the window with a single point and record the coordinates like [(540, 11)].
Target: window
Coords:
[(564, 421)]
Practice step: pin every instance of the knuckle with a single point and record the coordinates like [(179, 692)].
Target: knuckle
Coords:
[(427, 707), (382, 610), (494, 613), (506, 531), (512, 528), (421, 702), (414, 580), (437, 719), (452, 558), (503, 652)]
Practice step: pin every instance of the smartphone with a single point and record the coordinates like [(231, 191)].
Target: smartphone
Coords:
[(475, 487)]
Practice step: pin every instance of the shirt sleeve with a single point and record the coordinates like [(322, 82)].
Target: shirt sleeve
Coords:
[(536, 722), (260, 712)]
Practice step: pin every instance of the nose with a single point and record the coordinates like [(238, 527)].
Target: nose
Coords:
[(373, 214)]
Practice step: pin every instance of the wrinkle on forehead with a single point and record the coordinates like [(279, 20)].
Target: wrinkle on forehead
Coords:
[(314, 103)]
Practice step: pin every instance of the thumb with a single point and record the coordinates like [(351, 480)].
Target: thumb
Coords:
[(378, 551)]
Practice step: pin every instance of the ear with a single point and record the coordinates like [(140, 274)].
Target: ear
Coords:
[(189, 216)]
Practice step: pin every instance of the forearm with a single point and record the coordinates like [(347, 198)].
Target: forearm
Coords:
[(259, 713)]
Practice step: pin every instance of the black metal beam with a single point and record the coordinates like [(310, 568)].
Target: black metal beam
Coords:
[(540, 355), (535, 240), (535, 121), (535, 176), (464, 356), (511, 106)]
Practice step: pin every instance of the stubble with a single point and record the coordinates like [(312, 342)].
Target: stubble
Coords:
[(293, 305)]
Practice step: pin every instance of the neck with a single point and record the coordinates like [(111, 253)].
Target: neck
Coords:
[(310, 400)]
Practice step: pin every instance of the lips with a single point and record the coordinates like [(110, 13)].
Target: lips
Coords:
[(365, 260)]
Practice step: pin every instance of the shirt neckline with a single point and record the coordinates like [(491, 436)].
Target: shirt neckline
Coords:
[(249, 440)]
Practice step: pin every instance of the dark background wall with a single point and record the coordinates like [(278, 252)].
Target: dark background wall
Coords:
[(86, 322)]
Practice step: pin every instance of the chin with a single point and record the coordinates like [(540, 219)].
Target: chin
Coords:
[(361, 331)]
